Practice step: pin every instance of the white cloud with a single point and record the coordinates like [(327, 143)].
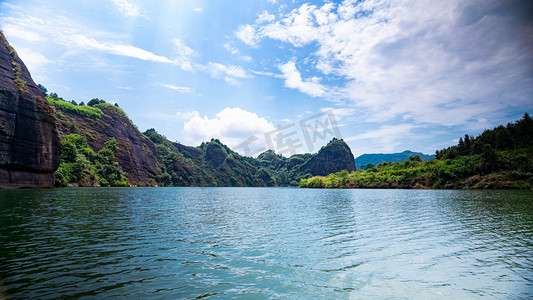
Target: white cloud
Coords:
[(86, 42), (181, 89), (231, 126), (442, 62), (128, 8), (230, 73), (265, 17), (198, 9), (294, 80), (35, 62), (21, 33), (247, 34), (339, 113), (231, 49), (75, 37), (184, 55), (230, 70)]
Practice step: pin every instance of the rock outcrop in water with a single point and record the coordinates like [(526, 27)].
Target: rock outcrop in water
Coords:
[(30, 146)]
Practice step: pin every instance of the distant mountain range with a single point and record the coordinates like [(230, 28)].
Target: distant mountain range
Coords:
[(362, 160)]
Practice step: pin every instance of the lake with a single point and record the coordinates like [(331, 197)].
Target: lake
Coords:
[(261, 243)]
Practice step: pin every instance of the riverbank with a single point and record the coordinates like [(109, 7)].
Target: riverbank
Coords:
[(461, 173)]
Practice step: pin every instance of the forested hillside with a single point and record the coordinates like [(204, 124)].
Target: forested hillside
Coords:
[(102, 147), (498, 158)]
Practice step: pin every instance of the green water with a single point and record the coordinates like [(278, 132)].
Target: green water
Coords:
[(258, 243)]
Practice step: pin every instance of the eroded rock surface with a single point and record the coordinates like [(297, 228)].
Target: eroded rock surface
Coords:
[(30, 146)]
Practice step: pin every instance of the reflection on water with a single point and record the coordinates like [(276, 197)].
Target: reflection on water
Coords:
[(266, 242)]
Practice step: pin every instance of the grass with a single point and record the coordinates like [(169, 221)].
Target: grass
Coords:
[(84, 111)]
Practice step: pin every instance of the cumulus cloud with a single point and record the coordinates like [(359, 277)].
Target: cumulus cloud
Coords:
[(231, 126), (247, 34), (265, 17), (442, 62), (293, 79)]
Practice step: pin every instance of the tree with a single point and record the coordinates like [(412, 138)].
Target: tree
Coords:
[(43, 89), (468, 144), (461, 146), (414, 158), (95, 101), (489, 159)]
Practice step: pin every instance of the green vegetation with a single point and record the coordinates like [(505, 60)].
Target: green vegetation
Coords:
[(498, 158), (210, 164), (82, 166), (513, 136), (215, 164), (103, 106), (93, 109), (84, 111)]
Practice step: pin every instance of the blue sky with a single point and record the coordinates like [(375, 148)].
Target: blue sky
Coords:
[(396, 75)]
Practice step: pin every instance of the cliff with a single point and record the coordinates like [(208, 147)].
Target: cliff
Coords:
[(30, 146), (135, 153)]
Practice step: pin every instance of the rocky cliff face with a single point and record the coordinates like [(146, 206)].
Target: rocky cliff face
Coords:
[(135, 153), (30, 146), (334, 157)]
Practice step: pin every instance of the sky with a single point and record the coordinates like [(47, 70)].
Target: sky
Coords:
[(384, 75)]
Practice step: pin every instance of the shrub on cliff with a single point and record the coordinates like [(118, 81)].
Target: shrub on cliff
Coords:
[(82, 166)]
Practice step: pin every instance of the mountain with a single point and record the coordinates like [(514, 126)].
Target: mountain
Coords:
[(29, 141), (102, 122), (375, 159), (47, 141), (336, 156), (103, 147), (215, 164)]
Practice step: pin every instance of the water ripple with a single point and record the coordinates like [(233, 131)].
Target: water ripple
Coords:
[(201, 243)]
